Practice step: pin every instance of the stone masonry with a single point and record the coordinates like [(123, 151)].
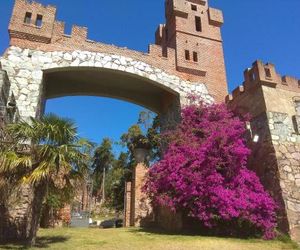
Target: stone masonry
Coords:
[(273, 101), (187, 59), (25, 69), (43, 62)]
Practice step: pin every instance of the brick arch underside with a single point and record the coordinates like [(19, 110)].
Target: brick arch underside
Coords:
[(91, 81)]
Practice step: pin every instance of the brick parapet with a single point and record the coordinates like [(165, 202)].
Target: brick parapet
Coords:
[(168, 55), (261, 74)]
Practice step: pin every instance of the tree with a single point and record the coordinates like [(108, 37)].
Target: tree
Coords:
[(58, 198), (203, 173), (52, 158), (102, 161), (116, 178), (146, 133)]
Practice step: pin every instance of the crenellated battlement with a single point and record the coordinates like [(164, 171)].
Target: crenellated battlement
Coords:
[(264, 74), (37, 23), (184, 46)]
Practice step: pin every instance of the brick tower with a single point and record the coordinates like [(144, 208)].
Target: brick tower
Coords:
[(193, 29), (32, 21)]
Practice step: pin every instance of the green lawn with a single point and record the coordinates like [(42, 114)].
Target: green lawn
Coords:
[(135, 239)]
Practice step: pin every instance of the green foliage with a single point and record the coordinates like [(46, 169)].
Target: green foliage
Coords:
[(115, 182), (53, 150), (145, 133), (102, 160)]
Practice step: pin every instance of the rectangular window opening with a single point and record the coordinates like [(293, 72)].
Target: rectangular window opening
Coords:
[(39, 21), (194, 7), (252, 77), (268, 72), (297, 106), (195, 56), (198, 23), (167, 34), (27, 18), (187, 55)]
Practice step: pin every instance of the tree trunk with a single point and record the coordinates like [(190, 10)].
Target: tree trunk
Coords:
[(24, 218), (3, 222), (45, 217), (36, 211)]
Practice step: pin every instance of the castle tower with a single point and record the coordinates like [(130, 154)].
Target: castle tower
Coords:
[(193, 29), (31, 21), (273, 102)]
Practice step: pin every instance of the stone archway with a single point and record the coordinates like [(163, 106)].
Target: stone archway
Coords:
[(36, 76)]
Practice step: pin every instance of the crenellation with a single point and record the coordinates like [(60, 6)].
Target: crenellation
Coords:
[(79, 33), (189, 27), (261, 74), (215, 17)]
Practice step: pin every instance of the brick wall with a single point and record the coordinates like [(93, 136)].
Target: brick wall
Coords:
[(168, 54)]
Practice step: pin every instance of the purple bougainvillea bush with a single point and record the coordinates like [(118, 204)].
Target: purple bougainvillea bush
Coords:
[(203, 172)]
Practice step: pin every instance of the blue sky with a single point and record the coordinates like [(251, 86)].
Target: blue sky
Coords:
[(254, 29)]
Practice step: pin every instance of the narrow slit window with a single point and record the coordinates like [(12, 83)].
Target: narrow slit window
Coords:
[(39, 21), (194, 7), (187, 55), (252, 76), (167, 34), (268, 72), (198, 23), (297, 106), (195, 56), (27, 18)]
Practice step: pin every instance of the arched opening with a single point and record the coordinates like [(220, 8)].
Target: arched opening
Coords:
[(100, 82), (75, 81)]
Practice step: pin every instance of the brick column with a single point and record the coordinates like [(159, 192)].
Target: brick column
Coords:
[(127, 204), (142, 206)]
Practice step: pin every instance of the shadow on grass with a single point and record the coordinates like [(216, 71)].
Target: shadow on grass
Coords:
[(41, 242), (157, 231)]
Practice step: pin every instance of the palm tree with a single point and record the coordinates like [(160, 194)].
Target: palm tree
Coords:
[(52, 156)]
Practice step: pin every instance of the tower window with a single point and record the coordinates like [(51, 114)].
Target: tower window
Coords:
[(187, 55), (194, 7), (297, 106), (167, 34), (195, 56), (268, 72), (27, 18), (198, 23), (39, 21), (252, 76)]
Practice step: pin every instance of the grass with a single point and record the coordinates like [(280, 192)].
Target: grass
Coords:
[(137, 239)]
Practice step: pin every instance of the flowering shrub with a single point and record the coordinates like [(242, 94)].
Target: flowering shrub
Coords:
[(204, 172)]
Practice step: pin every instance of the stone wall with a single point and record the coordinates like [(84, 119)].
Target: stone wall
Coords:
[(25, 69), (271, 101), (287, 148)]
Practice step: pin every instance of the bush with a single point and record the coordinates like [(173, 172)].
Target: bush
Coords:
[(203, 172)]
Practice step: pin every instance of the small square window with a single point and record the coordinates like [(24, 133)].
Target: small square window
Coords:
[(195, 56), (27, 18), (187, 55), (194, 7), (39, 21)]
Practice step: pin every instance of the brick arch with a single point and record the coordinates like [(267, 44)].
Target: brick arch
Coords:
[(29, 70)]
